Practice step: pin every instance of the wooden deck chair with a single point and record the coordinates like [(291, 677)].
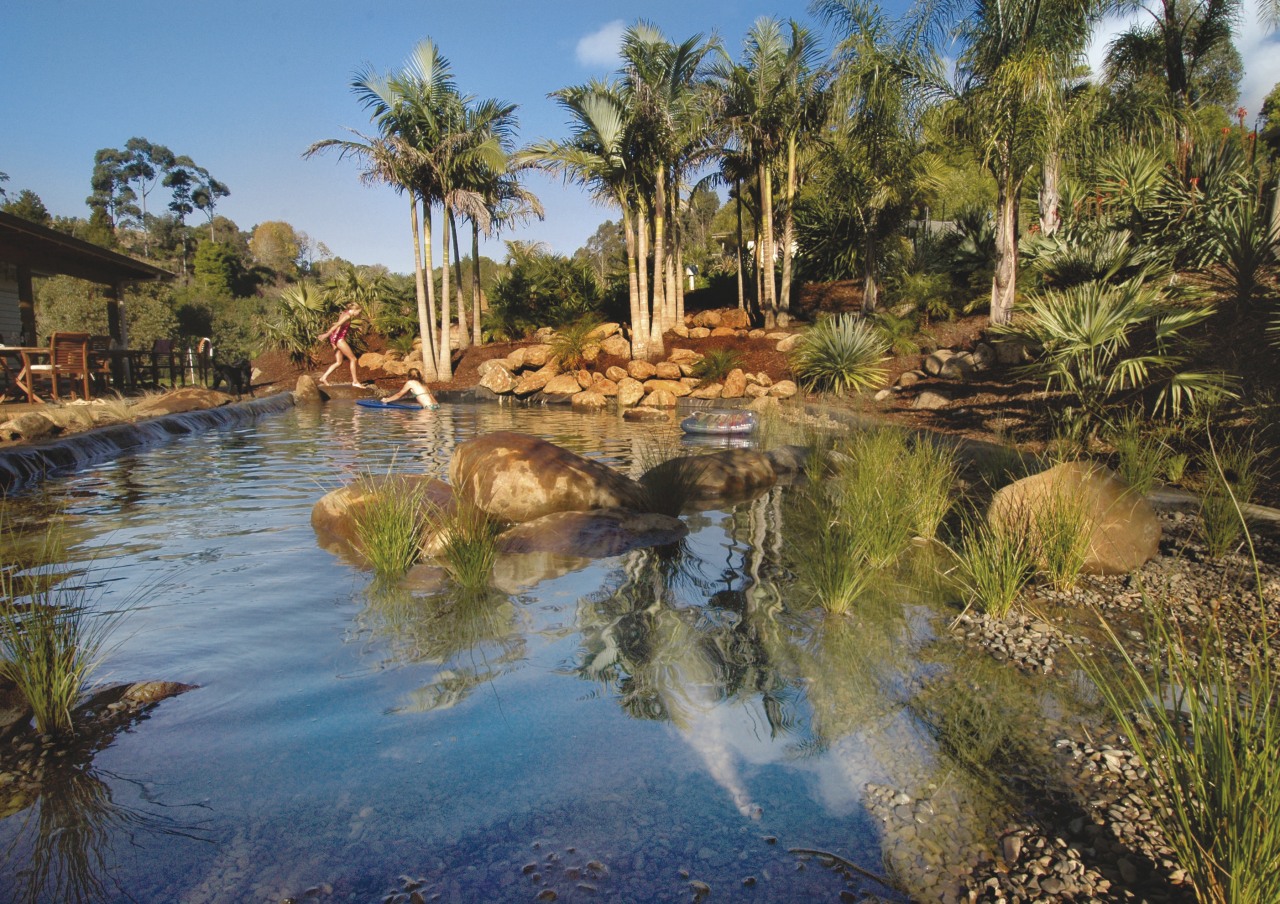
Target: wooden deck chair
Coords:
[(100, 362), (68, 357)]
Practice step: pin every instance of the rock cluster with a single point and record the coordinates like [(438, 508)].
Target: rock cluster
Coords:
[(533, 373)]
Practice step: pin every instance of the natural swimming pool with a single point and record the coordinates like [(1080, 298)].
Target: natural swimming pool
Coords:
[(619, 732)]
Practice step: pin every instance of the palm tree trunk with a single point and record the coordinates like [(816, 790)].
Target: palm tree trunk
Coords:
[(788, 223), (648, 312), (424, 318), (1049, 192), (1004, 281), (639, 336), (477, 338), (742, 288), (769, 298), (657, 321), (445, 362), (870, 266), (429, 272), (677, 265), (464, 335)]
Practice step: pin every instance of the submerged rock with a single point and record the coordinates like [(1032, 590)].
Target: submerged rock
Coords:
[(729, 473), (600, 533)]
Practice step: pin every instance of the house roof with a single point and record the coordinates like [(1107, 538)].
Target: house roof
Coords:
[(49, 253)]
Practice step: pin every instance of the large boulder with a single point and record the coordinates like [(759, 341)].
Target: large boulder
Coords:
[(334, 517), (29, 427), (675, 387), (735, 384), (788, 343), (640, 370), (534, 381), (617, 346), (563, 384), (734, 318), (783, 389), (595, 534), (537, 355), (497, 379), (630, 392), (730, 473), (516, 477), (659, 398), (307, 390), (1124, 529)]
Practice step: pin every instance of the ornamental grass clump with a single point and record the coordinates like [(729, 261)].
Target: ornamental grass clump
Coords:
[(716, 364), (391, 528), (470, 547), (833, 563), (1061, 530), (1232, 478), (50, 642), (1205, 723), (840, 354), (1142, 452), (994, 564)]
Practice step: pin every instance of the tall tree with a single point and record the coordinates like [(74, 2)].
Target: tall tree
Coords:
[(1014, 58)]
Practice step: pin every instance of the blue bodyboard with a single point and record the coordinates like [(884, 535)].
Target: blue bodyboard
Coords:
[(378, 403)]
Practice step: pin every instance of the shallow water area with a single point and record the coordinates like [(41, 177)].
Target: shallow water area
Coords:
[(622, 731)]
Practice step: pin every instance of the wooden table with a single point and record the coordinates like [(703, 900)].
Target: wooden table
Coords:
[(28, 356)]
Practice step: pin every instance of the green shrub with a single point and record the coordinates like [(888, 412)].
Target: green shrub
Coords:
[(839, 354)]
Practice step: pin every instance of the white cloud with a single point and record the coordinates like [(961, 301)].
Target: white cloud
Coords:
[(1259, 50), (600, 48)]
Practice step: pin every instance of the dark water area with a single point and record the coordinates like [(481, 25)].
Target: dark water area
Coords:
[(618, 732)]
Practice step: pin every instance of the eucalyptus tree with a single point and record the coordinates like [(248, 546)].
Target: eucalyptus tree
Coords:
[(598, 156), (1014, 56)]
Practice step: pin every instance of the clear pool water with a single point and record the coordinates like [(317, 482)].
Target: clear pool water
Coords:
[(620, 732)]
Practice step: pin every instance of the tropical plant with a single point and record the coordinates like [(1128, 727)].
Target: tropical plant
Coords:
[(898, 332), (1092, 336), (1014, 63), (1243, 249), (301, 315), (572, 343), (839, 354), (716, 364), (541, 289)]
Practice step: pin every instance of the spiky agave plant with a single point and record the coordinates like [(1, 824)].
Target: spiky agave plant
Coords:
[(840, 354)]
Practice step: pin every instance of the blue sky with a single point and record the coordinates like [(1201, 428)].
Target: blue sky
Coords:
[(244, 87)]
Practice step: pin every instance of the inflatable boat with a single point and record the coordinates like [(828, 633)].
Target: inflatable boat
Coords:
[(719, 423)]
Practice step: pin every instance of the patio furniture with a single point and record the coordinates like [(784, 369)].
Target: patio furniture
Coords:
[(103, 369), (68, 356), (165, 360)]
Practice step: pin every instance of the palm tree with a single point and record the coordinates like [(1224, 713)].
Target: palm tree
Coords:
[(1015, 56), (875, 94), (598, 156), (659, 87)]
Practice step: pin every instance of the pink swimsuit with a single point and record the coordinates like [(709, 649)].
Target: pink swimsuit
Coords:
[(340, 334)]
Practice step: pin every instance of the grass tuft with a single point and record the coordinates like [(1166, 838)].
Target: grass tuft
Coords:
[(1061, 530), (50, 642), (1233, 469), (390, 528), (994, 565)]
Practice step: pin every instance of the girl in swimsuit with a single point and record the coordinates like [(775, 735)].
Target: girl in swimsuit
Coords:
[(420, 392), (337, 336)]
